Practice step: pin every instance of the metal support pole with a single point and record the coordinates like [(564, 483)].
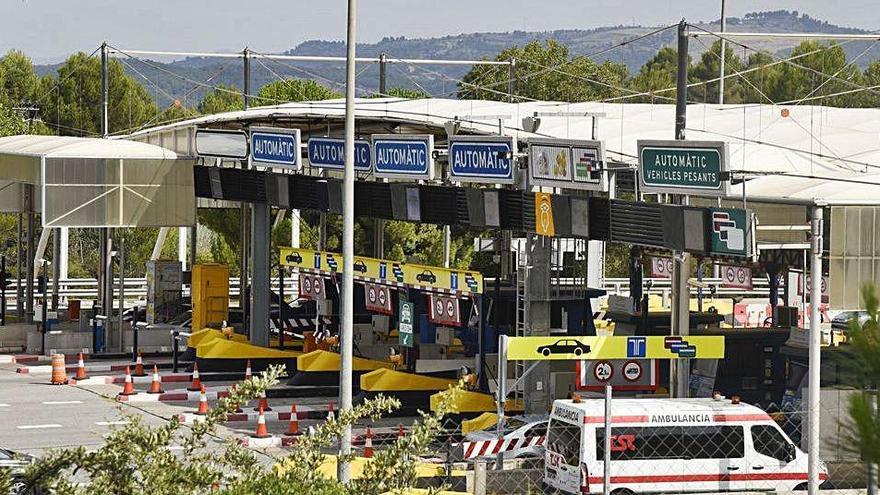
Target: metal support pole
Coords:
[(193, 245), (29, 256), (44, 313), (121, 285), (19, 268), (3, 279), (447, 245), (681, 81), (347, 295), (680, 311), (723, 53), (105, 92), (502, 386), (483, 379), (160, 243), (511, 79), (134, 334), (606, 458), (107, 294), (56, 266), (281, 316), (260, 242), (175, 349), (382, 74), (815, 360), (244, 217)]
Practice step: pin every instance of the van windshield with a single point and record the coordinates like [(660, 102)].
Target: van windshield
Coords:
[(673, 442), (565, 440)]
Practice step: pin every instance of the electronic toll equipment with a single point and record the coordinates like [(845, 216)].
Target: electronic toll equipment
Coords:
[(567, 164), (210, 294)]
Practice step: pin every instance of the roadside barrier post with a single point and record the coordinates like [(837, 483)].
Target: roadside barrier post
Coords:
[(480, 477), (175, 348), (606, 459), (134, 330)]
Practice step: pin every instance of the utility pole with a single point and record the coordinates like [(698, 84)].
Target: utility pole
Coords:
[(346, 333), (378, 223), (723, 52), (244, 217), (105, 271), (681, 261), (815, 347)]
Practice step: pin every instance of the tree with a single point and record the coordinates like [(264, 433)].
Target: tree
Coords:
[(659, 73), (709, 68), (72, 98), (795, 83), (862, 430), (19, 81), (137, 458), (762, 80), (545, 72), (412, 94), (287, 90), (223, 98)]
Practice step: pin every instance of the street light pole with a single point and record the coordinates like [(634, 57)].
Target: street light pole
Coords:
[(346, 333), (723, 53)]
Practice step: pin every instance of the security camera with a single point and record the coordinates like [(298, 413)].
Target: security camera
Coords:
[(531, 124)]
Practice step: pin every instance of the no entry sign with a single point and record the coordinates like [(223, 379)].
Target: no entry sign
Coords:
[(621, 374), (737, 277)]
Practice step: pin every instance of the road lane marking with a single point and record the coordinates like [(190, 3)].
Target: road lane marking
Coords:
[(37, 427), (4, 405), (111, 423), (61, 402)]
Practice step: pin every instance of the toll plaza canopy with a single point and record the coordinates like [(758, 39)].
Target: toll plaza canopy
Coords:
[(800, 154), (90, 182)]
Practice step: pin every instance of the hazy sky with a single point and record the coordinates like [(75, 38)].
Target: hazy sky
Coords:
[(50, 29)]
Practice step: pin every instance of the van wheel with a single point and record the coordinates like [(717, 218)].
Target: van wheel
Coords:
[(801, 488), (622, 491)]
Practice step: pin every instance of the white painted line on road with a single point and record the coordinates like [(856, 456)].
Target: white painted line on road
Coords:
[(111, 423), (61, 402), (4, 405), (36, 427)]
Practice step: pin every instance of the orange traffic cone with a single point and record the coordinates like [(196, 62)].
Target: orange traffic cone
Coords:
[(368, 444), (263, 403), (203, 402), (236, 408), (262, 431), (139, 366), (330, 414), (247, 370), (59, 370), (293, 428), (156, 384), (81, 369), (399, 431), (196, 382), (128, 388)]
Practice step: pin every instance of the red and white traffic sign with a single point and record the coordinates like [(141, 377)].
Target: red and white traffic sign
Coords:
[(311, 286), (639, 375), (737, 277), (378, 299), (632, 371), (444, 310), (661, 267)]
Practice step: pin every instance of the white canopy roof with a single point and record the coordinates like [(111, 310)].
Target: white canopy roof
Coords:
[(89, 182), (812, 146)]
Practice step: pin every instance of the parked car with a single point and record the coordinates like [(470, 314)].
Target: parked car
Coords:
[(16, 463), (842, 320)]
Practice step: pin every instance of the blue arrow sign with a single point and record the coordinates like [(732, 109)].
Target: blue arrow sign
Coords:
[(330, 153), (276, 147), (403, 156), (481, 159)]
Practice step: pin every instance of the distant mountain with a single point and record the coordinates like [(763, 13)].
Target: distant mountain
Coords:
[(440, 80)]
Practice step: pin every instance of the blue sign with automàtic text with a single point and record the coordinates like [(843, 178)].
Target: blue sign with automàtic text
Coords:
[(481, 159), (406, 156), (276, 147), (330, 153)]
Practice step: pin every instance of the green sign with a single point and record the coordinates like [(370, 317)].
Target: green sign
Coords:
[(731, 232), (405, 332), (683, 167)]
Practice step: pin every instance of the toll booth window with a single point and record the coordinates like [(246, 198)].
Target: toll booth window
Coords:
[(565, 440), (770, 442), (672, 442)]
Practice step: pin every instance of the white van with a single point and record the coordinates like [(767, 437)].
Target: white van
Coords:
[(670, 445)]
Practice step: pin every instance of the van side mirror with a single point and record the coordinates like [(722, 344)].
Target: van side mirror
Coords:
[(791, 452)]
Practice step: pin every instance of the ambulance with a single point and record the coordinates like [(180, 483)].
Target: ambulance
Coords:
[(669, 446)]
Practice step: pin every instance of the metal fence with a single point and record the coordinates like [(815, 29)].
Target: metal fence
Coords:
[(754, 449)]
